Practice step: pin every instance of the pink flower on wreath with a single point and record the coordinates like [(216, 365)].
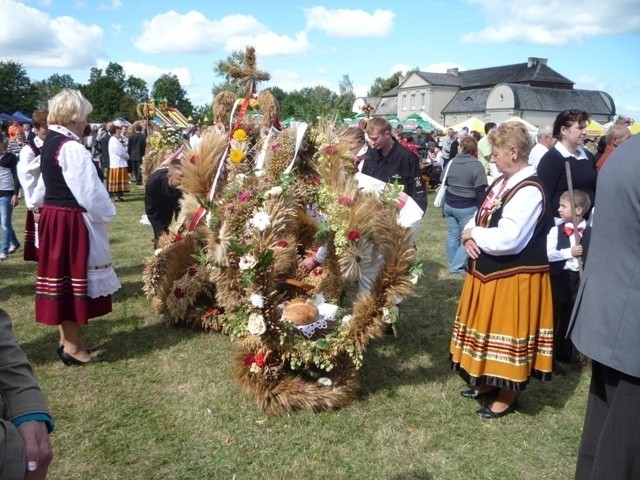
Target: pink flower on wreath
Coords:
[(178, 292), (275, 146), (318, 271), (346, 201), (353, 235), (231, 208), (191, 271), (330, 149), (282, 244), (244, 196)]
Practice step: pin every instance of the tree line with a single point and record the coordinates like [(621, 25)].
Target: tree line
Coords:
[(112, 93)]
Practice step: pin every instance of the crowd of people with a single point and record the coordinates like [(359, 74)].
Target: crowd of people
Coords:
[(520, 219)]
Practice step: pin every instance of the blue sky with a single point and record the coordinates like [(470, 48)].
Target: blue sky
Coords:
[(306, 43)]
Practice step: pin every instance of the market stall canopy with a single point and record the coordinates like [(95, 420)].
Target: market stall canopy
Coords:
[(21, 117), (531, 128), (414, 120), (594, 129), (472, 123)]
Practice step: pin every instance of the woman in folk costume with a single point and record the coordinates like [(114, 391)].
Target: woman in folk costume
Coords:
[(75, 277), (118, 181), (503, 332)]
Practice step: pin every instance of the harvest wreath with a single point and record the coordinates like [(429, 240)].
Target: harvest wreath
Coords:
[(231, 261)]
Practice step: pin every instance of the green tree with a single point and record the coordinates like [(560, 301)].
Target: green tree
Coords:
[(221, 69), (168, 87), (16, 90), (347, 96), (113, 94), (50, 87), (310, 103), (383, 85)]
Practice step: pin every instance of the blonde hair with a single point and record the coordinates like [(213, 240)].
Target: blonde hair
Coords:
[(580, 198), (512, 134), (468, 145), (68, 106)]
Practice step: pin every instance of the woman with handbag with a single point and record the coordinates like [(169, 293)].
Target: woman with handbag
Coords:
[(465, 181)]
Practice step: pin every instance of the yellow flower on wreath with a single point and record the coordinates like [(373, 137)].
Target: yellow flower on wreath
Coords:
[(240, 135), (236, 156), (253, 103)]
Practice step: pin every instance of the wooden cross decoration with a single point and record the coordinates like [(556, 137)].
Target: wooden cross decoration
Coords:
[(367, 108), (248, 74)]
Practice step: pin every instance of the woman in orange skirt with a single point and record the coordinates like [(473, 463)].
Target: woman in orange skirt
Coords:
[(503, 332)]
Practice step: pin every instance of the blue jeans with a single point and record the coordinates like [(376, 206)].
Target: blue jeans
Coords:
[(456, 219), (8, 233)]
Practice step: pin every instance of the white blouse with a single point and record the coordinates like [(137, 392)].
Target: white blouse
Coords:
[(118, 155), (519, 217)]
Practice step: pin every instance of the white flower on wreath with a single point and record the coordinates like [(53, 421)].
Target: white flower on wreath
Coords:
[(247, 262), (390, 315), (261, 220), (325, 381), (259, 173), (346, 319), (257, 300), (273, 192), (256, 325), (240, 178)]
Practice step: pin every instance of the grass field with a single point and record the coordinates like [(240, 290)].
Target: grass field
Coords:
[(164, 404)]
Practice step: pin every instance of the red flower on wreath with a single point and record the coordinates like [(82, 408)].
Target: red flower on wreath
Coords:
[(346, 201), (178, 292), (353, 235), (330, 149), (192, 160), (282, 244), (244, 196), (260, 359), (215, 311), (318, 271), (191, 271), (177, 238)]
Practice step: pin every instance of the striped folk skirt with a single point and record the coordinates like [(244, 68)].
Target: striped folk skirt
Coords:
[(503, 332), (61, 285), (30, 233), (118, 181)]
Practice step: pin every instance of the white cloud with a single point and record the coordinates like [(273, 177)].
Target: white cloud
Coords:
[(344, 23), (150, 73), (290, 81), (192, 32), (58, 44), (553, 22)]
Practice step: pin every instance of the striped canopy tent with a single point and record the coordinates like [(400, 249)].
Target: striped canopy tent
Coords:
[(594, 129), (414, 120)]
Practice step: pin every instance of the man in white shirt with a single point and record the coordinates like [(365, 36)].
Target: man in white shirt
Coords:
[(544, 143)]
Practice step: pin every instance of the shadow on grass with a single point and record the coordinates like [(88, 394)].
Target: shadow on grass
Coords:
[(112, 340), (420, 474), (420, 353)]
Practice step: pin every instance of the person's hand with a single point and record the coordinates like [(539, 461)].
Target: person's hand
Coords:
[(36, 215), (472, 248), (15, 201), (38, 449), (308, 264), (576, 251)]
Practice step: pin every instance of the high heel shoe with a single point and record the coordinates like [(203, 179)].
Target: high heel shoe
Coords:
[(60, 349), (473, 394), (69, 360)]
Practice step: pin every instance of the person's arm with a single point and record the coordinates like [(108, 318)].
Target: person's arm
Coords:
[(414, 185), (15, 200), (553, 254), (153, 204), (81, 176), (23, 400), (549, 171)]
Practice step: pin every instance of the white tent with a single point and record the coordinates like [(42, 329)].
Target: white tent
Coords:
[(427, 118), (532, 129)]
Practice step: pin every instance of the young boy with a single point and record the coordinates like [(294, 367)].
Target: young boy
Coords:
[(563, 254)]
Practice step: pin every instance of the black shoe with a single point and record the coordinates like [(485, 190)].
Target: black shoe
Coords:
[(69, 360), (488, 414), (59, 350), (474, 395)]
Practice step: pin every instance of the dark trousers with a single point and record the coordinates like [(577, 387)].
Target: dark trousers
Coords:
[(137, 173), (564, 288), (610, 446)]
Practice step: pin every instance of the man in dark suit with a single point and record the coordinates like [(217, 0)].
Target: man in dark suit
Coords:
[(137, 146), (28, 133), (606, 323)]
